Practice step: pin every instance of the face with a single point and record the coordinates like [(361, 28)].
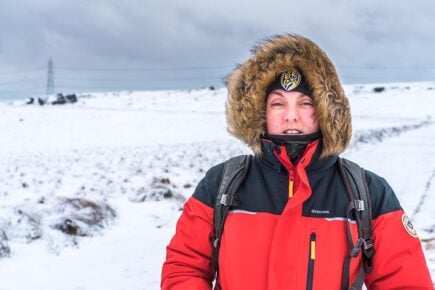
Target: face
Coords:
[(290, 113)]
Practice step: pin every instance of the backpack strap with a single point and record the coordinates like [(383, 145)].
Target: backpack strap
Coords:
[(235, 170), (360, 208)]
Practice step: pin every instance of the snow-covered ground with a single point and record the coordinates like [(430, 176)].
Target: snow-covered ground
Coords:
[(90, 192)]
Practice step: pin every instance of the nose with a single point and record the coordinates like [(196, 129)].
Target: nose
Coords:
[(291, 114)]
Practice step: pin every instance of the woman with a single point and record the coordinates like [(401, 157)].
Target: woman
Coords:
[(289, 229)]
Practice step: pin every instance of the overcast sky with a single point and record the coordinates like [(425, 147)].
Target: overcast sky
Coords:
[(161, 44)]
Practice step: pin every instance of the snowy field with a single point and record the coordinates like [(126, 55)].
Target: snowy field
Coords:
[(90, 192)]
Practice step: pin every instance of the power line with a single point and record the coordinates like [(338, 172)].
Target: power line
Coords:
[(380, 68), (22, 90), (23, 71), (211, 67), (143, 78), (22, 81), (192, 68), (131, 78)]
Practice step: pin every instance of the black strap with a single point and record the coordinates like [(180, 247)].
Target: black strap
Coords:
[(235, 170), (360, 208)]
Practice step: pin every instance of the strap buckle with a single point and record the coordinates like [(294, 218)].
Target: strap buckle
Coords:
[(228, 199), (357, 248), (215, 242), (358, 204)]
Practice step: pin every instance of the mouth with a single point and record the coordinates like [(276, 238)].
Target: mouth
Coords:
[(292, 132)]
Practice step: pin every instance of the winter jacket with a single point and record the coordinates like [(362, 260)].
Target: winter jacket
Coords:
[(288, 231), (280, 240)]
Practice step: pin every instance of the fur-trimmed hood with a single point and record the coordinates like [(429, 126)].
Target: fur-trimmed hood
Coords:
[(247, 84)]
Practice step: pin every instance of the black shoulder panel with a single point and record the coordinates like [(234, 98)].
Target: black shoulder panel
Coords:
[(207, 188), (329, 198), (263, 190), (383, 198)]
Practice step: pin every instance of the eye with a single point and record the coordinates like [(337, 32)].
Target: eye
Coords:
[(275, 101), (277, 104), (306, 102)]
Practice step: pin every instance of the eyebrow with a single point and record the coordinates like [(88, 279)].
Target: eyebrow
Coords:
[(277, 93), (305, 96)]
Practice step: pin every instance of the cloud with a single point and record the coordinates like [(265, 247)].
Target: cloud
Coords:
[(368, 40)]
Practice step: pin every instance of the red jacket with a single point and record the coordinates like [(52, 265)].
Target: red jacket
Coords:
[(273, 241)]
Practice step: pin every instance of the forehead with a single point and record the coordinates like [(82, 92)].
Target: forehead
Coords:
[(278, 93)]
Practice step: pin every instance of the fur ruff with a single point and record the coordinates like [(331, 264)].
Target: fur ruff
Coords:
[(246, 103)]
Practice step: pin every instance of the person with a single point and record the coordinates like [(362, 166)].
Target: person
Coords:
[(286, 102)]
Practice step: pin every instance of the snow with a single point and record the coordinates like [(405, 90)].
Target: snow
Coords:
[(115, 168)]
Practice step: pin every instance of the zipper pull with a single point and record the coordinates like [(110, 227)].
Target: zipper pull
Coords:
[(313, 246), (290, 184)]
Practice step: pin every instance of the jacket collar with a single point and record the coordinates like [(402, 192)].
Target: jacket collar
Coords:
[(268, 157)]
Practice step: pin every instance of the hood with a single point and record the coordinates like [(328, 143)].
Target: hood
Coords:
[(246, 103)]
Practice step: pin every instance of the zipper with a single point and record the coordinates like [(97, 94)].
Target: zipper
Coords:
[(282, 156), (290, 183), (311, 260)]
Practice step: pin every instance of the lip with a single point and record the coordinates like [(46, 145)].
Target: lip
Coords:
[(292, 132)]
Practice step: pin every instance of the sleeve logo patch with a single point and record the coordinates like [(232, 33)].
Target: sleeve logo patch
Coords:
[(409, 227)]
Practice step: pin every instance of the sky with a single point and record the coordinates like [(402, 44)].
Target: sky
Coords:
[(113, 45)]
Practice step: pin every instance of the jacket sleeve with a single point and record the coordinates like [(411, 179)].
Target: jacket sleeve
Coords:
[(398, 262), (188, 255)]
